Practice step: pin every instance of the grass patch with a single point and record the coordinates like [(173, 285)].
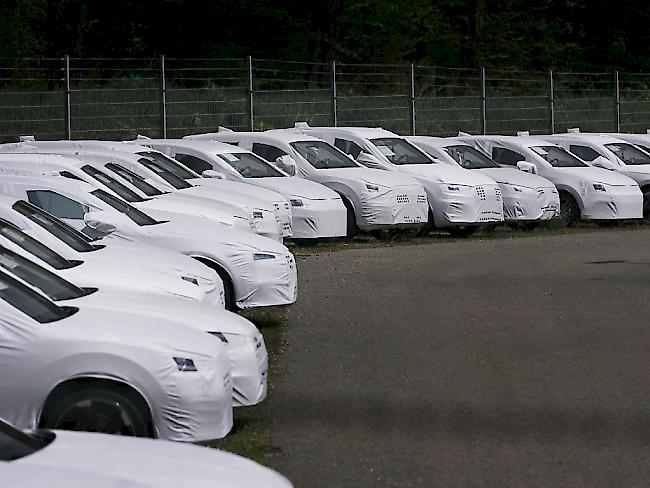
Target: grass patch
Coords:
[(250, 436)]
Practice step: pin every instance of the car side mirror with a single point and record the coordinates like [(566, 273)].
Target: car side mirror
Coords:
[(527, 166), (103, 223), (210, 173), (604, 163), (369, 160), (287, 164)]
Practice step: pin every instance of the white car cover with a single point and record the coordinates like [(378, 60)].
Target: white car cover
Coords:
[(147, 462), (456, 196), (121, 266), (53, 345), (599, 194), (526, 197), (15, 474), (379, 200), (256, 271), (317, 211)]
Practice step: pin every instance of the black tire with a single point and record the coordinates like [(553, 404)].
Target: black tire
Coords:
[(569, 209), (646, 206), (461, 231), (97, 409), (352, 228)]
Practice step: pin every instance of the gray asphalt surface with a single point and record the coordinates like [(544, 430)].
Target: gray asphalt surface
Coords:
[(516, 362)]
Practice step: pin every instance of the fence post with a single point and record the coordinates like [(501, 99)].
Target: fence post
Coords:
[(551, 103), (483, 102), (617, 103), (249, 62), (163, 99), (68, 112), (412, 94), (333, 109)]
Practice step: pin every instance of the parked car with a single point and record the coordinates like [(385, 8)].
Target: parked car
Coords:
[(255, 271), (244, 343), (80, 459), (612, 153), (642, 141), (122, 265), (374, 199), (459, 200), (586, 193), (78, 368), (317, 211), (527, 198)]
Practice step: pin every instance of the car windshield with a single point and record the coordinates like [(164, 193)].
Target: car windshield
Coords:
[(172, 179), (135, 179), (557, 157), (114, 185), (470, 158), (30, 302), (130, 211), (249, 165), (52, 285), (62, 231), (323, 156), (628, 153), (169, 164), (16, 444), (399, 151), (35, 248)]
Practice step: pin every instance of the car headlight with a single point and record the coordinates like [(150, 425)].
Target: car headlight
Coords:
[(599, 187), (258, 215), (185, 364), (370, 187), (259, 256), (220, 335), (296, 202), (190, 279), (519, 190)]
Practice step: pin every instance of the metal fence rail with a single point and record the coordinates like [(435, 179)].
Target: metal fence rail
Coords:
[(118, 98)]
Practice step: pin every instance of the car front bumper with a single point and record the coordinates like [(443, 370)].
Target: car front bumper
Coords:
[(319, 218), (617, 203), (469, 205), (399, 206)]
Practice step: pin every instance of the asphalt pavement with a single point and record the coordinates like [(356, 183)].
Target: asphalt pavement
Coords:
[(501, 362)]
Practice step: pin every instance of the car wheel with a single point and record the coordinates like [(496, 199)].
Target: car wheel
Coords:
[(646, 206), (462, 230), (352, 228), (569, 210), (228, 289), (97, 409)]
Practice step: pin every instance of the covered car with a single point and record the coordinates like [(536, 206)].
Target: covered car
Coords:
[(375, 200), (586, 192), (255, 271), (111, 371), (526, 197)]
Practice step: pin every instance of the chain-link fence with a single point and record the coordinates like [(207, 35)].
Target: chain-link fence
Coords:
[(58, 98)]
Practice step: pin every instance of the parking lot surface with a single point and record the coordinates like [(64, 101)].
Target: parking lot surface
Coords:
[(510, 362)]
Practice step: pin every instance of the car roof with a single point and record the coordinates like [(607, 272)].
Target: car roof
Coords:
[(587, 137), (206, 145)]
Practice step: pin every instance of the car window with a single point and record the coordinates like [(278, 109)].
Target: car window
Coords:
[(62, 231), (268, 152), (584, 152), (348, 147), (323, 156), (71, 176), (30, 302), (628, 153), (197, 165), (172, 179), (398, 151), (169, 164), (249, 165), (130, 211), (56, 204), (110, 182), (31, 273), (645, 148), (502, 155), (557, 157), (470, 158), (135, 179), (12, 233)]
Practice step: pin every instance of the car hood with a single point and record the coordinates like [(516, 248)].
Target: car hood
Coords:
[(599, 175), (374, 176), (25, 475), (293, 186), (641, 169), (445, 173), (509, 176), (178, 202), (155, 463), (242, 187), (244, 196), (199, 316)]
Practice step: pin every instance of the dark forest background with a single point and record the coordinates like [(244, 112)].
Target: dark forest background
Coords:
[(545, 34)]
